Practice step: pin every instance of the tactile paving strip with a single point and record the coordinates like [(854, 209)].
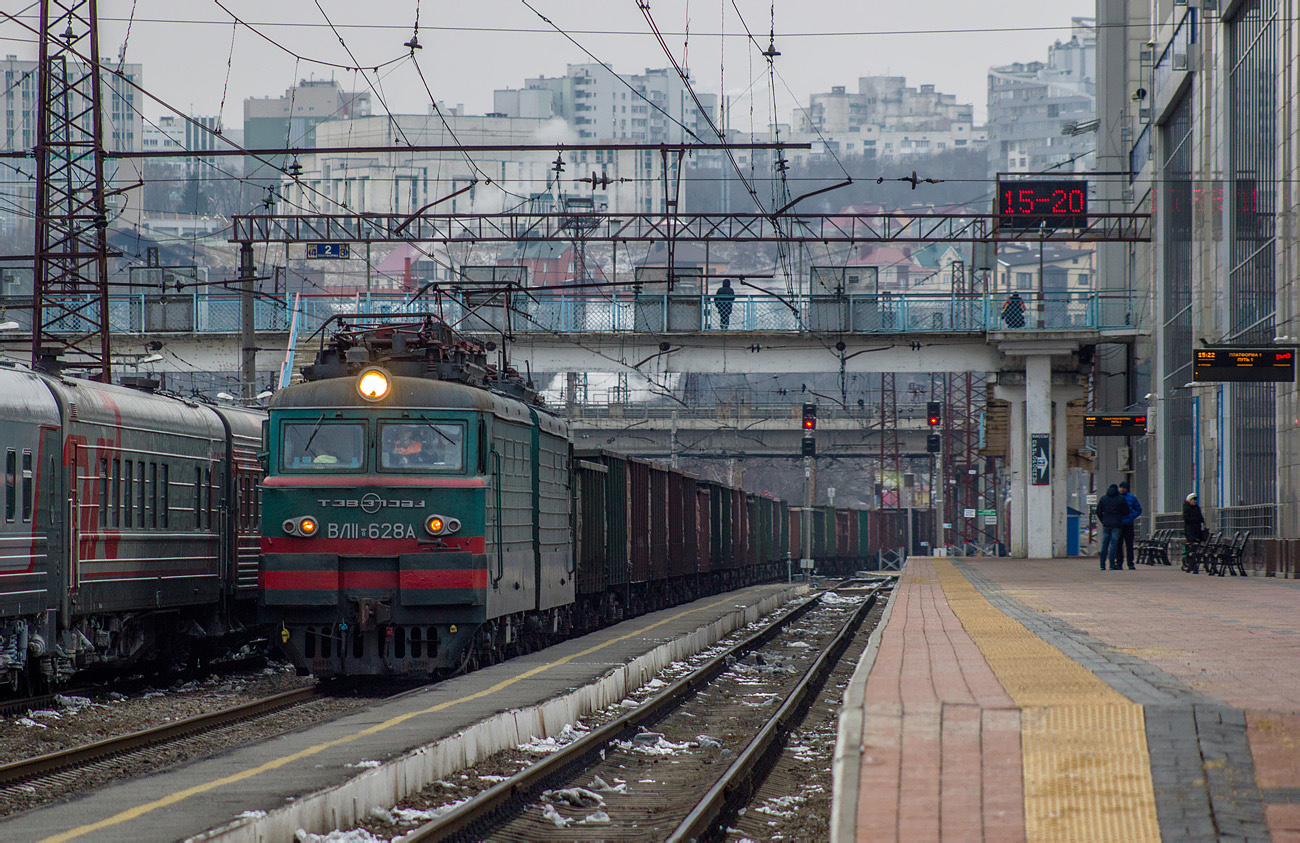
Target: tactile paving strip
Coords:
[(1086, 767)]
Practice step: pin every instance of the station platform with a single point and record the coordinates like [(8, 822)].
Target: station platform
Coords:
[(325, 776), (1047, 700)]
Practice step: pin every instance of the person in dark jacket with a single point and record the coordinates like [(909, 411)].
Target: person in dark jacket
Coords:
[(1193, 520), (1111, 510), (724, 300), (1129, 525)]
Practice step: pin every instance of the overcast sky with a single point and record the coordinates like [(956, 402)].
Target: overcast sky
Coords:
[(472, 47)]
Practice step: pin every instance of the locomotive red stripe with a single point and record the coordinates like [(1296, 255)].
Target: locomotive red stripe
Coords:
[(354, 481), (410, 580), (371, 547)]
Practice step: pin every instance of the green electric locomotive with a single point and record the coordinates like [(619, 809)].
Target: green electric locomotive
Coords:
[(416, 509)]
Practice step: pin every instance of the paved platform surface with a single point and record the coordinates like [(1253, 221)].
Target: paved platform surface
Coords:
[(1048, 700), (189, 799)]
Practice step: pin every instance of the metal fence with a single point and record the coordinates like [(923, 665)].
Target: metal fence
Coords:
[(911, 313)]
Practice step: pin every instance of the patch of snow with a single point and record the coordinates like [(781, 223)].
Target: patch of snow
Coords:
[(356, 835), (545, 746), (662, 746), (365, 765), (30, 723), (575, 797), (601, 785), (250, 815), (707, 742), (72, 702), (46, 713), (629, 703), (594, 817), (493, 779), (549, 813)]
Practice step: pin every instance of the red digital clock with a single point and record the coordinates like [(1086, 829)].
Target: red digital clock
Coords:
[(1050, 204)]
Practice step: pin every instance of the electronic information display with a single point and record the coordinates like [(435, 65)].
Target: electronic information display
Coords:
[(1122, 425), (1055, 203), (1275, 365)]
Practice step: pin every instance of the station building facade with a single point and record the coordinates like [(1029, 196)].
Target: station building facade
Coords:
[(1199, 125)]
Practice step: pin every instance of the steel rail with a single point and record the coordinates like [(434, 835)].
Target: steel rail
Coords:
[(43, 765), (474, 818), (737, 785)]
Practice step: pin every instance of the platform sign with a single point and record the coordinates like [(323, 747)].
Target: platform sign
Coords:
[(968, 512), (1270, 365), (1115, 425), (329, 251), (1050, 203), (1040, 459)]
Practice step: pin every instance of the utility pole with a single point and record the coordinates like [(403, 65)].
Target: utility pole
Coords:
[(247, 334)]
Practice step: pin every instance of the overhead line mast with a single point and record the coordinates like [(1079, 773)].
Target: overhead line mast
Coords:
[(70, 290)]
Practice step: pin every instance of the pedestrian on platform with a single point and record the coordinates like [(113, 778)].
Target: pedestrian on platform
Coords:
[(725, 300), (1111, 510), (1129, 525), (1013, 312), (1193, 520)]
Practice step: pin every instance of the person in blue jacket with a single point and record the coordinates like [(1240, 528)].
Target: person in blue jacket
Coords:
[(1129, 523)]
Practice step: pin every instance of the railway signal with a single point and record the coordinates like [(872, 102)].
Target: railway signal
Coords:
[(809, 416), (932, 413), (809, 446)]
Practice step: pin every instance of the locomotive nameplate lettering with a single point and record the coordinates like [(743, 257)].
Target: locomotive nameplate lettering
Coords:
[(370, 531), (370, 503)]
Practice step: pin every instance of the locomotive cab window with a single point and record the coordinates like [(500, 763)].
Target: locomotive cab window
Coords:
[(422, 446), (322, 445)]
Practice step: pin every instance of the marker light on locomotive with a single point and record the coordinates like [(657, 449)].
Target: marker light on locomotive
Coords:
[(436, 525), (373, 384), (305, 526)]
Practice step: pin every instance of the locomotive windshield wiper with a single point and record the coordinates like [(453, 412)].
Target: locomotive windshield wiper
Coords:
[(306, 448)]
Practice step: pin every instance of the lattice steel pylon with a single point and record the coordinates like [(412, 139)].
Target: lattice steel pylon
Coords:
[(70, 295)]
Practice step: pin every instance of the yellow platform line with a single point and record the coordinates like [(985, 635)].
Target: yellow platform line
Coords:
[(1086, 766)]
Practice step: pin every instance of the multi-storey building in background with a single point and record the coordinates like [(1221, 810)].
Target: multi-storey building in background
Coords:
[(886, 119), (1198, 106), (123, 129), (290, 120), (1039, 111), (597, 103), (404, 182)]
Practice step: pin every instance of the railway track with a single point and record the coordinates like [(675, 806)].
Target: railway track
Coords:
[(499, 811), (142, 742)]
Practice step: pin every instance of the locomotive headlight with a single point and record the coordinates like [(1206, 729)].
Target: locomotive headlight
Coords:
[(306, 526), (436, 525), (373, 384)]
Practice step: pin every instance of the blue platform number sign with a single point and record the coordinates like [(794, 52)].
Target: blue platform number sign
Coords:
[(1040, 458), (330, 251)]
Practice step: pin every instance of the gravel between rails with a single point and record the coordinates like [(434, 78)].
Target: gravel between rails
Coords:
[(749, 693), (81, 721)]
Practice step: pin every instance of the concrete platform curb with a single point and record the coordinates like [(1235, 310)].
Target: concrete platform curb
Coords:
[(847, 764), (342, 805)]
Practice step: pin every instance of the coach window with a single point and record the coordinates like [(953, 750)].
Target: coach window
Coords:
[(153, 495), (103, 492), (164, 498), (127, 500), (11, 485), (422, 446), (318, 445), (29, 485), (116, 485), (198, 498), (139, 473)]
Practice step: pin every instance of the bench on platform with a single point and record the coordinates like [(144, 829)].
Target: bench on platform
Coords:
[(1154, 550)]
